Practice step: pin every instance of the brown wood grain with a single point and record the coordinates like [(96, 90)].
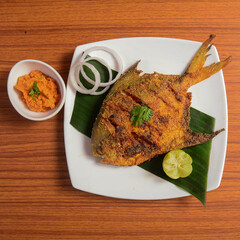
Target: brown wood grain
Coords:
[(37, 200)]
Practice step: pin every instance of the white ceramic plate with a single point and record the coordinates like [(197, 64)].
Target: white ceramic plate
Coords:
[(164, 55)]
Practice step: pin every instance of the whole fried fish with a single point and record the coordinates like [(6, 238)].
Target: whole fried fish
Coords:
[(118, 142)]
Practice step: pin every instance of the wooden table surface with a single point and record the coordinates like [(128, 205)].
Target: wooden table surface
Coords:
[(37, 200)]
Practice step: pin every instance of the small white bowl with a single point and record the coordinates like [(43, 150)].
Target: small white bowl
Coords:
[(25, 67)]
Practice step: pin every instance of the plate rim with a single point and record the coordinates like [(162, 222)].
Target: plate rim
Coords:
[(184, 194)]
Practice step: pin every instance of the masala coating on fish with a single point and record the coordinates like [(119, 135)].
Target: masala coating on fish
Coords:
[(118, 142)]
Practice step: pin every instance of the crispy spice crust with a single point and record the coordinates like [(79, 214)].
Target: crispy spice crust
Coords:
[(118, 142)]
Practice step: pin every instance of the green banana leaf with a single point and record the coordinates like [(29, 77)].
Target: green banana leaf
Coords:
[(86, 108), (196, 183)]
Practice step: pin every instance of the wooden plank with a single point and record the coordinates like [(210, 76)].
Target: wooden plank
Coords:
[(37, 200)]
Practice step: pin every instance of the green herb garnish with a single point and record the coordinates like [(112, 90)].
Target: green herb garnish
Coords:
[(34, 91), (140, 114)]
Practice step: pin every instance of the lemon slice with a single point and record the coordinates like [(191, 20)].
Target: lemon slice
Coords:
[(177, 164)]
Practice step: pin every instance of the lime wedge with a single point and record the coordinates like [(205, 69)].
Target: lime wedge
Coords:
[(177, 164)]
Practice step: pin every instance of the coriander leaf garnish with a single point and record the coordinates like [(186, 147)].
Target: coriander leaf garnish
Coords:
[(31, 92), (140, 114), (34, 90)]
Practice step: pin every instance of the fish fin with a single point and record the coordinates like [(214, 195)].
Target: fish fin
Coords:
[(200, 57), (199, 138), (126, 80), (196, 71), (211, 69), (132, 68), (204, 73)]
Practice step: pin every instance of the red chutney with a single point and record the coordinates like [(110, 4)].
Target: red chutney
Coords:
[(39, 91)]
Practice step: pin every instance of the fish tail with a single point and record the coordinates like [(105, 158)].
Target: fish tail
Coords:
[(208, 71), (196, 71), (200, 57)]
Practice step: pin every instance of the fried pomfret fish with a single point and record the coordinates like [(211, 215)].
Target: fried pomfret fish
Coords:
[(118, 142)]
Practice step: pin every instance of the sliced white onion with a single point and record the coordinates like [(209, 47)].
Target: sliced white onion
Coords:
[(78, 85), (103, 63), (101, 92), (112, 52), (74, 73)]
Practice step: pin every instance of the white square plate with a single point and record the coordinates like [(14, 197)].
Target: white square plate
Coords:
[(164, 55)]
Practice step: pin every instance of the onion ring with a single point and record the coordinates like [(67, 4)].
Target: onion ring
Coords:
[(112, 52), (103, 63), (74, 72), (81, 88)]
